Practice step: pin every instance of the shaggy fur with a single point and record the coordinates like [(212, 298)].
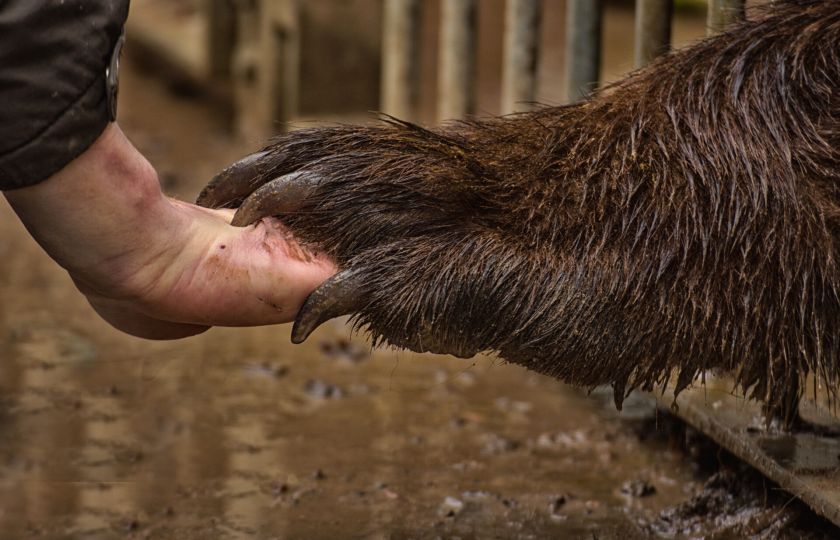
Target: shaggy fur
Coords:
[(684, 219)]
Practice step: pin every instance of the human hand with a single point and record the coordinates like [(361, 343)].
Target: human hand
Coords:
[(159, 268), (431, 258)]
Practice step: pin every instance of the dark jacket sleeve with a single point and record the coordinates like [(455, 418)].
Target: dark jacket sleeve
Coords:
[(54, 55)]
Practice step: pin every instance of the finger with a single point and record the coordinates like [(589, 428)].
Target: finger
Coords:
[(342, 294), (234, 183), (281, 195)]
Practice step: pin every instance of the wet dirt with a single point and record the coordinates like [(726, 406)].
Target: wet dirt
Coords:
[(238, 434), (734, 502)]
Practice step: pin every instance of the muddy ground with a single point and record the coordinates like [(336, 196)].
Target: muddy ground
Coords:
[(238, 434)]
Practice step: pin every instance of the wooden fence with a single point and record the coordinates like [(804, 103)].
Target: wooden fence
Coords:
[(253, 47)]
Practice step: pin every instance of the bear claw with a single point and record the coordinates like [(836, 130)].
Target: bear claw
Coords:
[(232, 184), (340, 295), (280, 196)]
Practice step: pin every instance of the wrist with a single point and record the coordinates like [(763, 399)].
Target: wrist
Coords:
[(110, 171), (96, 209)]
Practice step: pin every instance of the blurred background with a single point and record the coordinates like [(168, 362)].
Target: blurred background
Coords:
[(273, 63), (238, 434)]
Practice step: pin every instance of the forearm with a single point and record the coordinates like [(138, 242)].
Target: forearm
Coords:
[(108, 198)]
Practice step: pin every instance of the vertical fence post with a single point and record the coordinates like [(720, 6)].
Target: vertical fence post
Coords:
[(279, 71), (456, 65), (653, 30), (400, 62), (220, 38), (519, 71), (722, 13), (583, 47), (245, 74)]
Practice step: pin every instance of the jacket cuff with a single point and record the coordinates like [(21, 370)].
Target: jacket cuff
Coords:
[(58, 82), (63, 141)]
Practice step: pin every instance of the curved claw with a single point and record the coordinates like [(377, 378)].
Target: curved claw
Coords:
[(233, 183), (342, 294), (280, 196)]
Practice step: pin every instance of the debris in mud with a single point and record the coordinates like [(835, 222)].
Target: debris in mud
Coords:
[(130, 525), (575, 439), (247, 448), (591, 506), (389, 493), (723, 504), (450, 507), (556, 505), (462, 379), (279, 488), (297, 495), (319, 475), (469, 465), (638, 488), (128, 455), (495, 444), (344, 349), (737, 502), (476, 494), (288, 492), (417, 440), (269, 370), (361, 389), (508, 405), (458, 422), (321, 389)]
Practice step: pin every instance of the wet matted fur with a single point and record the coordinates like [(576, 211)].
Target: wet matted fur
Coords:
[(686, 218)]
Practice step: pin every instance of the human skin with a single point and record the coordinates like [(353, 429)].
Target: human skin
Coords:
[(159, 268)]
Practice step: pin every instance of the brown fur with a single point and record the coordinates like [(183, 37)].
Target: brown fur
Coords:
[(684, 219)]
